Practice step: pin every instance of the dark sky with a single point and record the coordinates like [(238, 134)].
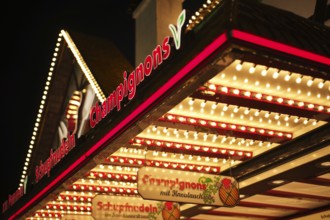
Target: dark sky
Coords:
[(29, 33)]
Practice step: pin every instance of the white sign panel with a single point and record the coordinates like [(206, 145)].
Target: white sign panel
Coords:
[(105, 207), (184, 186)]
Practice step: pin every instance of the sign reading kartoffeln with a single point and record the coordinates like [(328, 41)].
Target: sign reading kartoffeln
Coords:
[(185, 186)]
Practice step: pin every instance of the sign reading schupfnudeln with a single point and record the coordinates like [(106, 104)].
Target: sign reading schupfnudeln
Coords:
[(105, 207), (184, 186)]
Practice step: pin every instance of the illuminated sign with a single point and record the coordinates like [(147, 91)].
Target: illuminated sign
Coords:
[(184, 186), (12, 199), (54, 157), (127, 88), (131, 207)]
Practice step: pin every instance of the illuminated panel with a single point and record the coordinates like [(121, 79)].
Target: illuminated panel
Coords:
[(224, 90), (251, 130), (189, 148), (163, 163)]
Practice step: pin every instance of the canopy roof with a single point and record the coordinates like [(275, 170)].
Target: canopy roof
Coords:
[(247, 95)]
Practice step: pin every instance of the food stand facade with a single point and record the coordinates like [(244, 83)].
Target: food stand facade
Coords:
[(220, 95)]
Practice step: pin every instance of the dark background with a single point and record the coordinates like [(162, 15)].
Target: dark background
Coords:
[(29, 33)]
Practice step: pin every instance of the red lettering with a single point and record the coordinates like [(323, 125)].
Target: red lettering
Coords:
[(148, 65), (99, 205), (111, 101), (142, 208), (37, 173), (54, 157), (125, 83), (157, 56), (139, 74), (166, 48), (131, 86), (119, 96), (145, 179), (4, 206), (104, 109), (98, 112), (92, 120)]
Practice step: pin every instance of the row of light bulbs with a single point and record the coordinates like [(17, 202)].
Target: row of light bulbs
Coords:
[(52, 215), (287, 76), (200, 14), (227, 141), (106, 182), (175, 157), (168, 164), (190, 147), (82, 64), (105, 189), (220, 89), (64, 205), (74, 198), (41, 110), (89, 76), (225, 125), (111, 175), (238, 112)]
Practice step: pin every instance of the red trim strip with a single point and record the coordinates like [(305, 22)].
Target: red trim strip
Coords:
[(280, 47), (212, 47)]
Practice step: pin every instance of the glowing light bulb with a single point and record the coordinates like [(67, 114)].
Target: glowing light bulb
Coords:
[(309, 82), (212, 87), (252, 69), (239, 67), (320, 85), (298, 80)]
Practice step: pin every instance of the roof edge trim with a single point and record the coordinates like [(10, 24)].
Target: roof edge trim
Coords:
[(274, 45), (88, 74)]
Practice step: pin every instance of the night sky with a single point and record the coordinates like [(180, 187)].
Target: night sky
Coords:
[(29, 34)]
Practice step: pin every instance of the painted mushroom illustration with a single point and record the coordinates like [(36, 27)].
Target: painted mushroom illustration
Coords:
[(171, 211), (228, 192)]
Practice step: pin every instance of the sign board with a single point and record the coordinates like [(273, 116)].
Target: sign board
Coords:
[(132, 207), (190, 187), (127, 89)]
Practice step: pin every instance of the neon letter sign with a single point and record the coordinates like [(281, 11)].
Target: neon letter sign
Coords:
[(129, 85)]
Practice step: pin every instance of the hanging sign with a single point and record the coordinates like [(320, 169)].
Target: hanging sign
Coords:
[(105, 207), (184, 186)]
